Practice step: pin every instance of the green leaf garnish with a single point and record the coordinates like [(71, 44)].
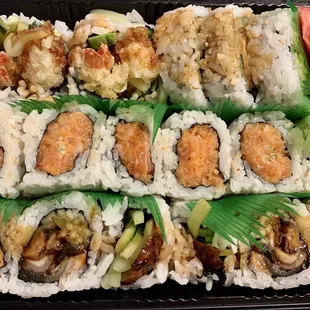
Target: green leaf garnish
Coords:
[(236, 216), (105, 198), (149, 203)]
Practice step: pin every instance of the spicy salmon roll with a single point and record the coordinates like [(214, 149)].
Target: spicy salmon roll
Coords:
[(193, 156), (139, 244), (179, 49), (58, 243), (112, 55), (264, 155), (127, 151), (61, 149), (11, 154)]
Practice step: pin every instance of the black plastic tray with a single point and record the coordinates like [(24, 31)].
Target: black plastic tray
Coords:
[(169, 295)]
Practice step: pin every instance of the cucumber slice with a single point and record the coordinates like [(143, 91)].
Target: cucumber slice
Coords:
[(109, 39), (115, 278), (115, 17), (197, 216), (137, 216), (121, 264), (12, 23), (205, 232), (105, 282), (126, 237), (132, 246), (148, 230), (22, 26), (226, 252), (4, 30), (208, 239)]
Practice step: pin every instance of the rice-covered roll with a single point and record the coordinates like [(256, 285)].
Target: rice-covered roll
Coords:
[(193, 156), (139, 238), (277, 61), (57, 246), (112, 54), (282, 262), (199, 255), (179, 50), (11, 155), (62, 149), (127, 151), (34, 56), (264, 154), (224, 64)]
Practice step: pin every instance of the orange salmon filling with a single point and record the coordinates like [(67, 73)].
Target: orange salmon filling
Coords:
[(1, 156), (264, 149), (65, 138), (197, 150), (133, 146)]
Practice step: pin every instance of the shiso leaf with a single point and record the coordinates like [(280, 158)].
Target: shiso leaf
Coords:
[(149, 203), (105, 198), (11, 207), (236, 216)]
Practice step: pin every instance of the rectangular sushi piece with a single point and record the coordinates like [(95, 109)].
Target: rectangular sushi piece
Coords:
[(127, 149), (277, 60), (265, 156), (61, 149), (112, 55), (193, 156), (179, 49), (11, 150), (55, 246), (138, 240), (282, 262)]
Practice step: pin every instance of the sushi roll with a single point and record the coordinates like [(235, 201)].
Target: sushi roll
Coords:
[(193, 156), (277, 61), (139, 243), (57, 246), (283, 260), (11, 154), (202, 258), (34, 55), (61, 149), (112, 54), (264, 154), (179, 49), (224, 64), (128, 157)]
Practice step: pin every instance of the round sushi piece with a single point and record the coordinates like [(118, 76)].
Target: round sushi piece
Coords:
[(193, 157), (137, 253), (265, 157), (58, 243), (179, 48), (11, 156), (200, 259), (112, 55), (278, 65), (224, 65), (284, 261), (127, 157), (61, 149)]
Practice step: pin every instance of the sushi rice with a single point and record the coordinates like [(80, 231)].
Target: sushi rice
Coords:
[(243, 179), (86, 173), (167, 160), (27, 224), (10, 140)]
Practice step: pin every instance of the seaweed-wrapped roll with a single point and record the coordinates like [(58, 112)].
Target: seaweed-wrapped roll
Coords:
[(265, 157), (57, 246), (140, 242), (61, 149), (193, 156)]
